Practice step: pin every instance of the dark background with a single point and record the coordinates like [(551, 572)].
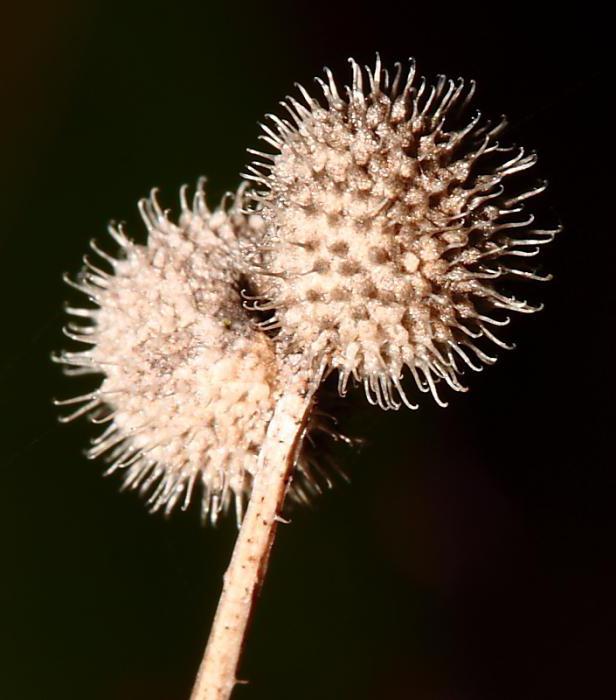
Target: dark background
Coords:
[(472, 556)]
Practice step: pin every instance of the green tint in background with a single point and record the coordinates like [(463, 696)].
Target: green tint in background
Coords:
[(471, 556)]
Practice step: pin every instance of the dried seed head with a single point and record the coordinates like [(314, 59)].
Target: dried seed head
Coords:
[(387, 227), (189, 382)]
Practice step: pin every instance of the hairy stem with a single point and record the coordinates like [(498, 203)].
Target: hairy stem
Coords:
[(242, 581)]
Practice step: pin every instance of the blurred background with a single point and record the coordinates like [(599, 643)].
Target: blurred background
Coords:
[(472, 555)]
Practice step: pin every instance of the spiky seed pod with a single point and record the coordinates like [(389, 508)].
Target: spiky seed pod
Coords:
[(388, 226), (189, 382)]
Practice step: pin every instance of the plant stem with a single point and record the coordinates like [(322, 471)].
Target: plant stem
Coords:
[(242, 581)]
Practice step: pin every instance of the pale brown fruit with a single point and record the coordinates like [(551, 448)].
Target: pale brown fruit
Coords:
[(189, 384), (388, 226)]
